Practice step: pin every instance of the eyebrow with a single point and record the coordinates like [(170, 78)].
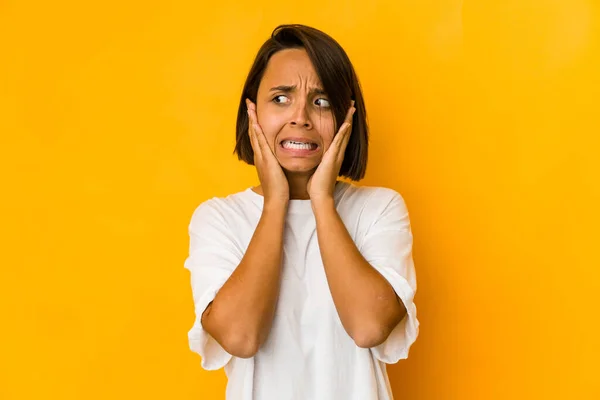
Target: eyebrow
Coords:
[(288, 88)]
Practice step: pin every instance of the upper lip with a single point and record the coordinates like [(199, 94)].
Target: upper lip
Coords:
[(299, 140)]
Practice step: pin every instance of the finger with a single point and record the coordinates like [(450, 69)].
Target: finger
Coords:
[(250, 105), (253, 140), (346, 138), (345, 135), (347, 121), (337, 140), (345, 129), (260, 136), (350, 113), (253, 120), (344, 143)]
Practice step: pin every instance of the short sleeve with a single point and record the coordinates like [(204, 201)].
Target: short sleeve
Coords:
[(213, 256), (387, 246)]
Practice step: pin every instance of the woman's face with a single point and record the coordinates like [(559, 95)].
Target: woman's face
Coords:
[(294, 111)]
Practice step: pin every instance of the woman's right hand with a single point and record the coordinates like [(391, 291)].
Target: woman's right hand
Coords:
[(273, 181)]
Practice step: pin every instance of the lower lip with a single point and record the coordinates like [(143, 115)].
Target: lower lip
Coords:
[(299, 152)]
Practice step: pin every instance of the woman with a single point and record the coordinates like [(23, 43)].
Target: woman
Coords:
[(303, 286)]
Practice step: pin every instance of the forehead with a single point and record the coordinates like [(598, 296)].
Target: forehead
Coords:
[(290, 66)]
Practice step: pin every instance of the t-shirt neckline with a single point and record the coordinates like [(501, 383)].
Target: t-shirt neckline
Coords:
[(297, 206)]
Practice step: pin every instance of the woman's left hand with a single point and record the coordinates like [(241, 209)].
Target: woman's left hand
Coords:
[(321, 184)]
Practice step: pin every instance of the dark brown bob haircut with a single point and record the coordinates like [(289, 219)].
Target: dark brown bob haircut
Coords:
[(339, 81)]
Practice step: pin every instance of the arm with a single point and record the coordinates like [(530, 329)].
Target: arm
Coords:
[(240, 316), (366, 303)]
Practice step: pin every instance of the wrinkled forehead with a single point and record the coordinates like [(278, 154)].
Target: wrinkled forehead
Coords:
[(290, 67)]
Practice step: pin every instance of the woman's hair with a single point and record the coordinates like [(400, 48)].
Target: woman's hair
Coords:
[(339, 81)]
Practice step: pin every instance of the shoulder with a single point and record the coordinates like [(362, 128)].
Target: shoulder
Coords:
[(373, 199), (225, 209), (369, 210)]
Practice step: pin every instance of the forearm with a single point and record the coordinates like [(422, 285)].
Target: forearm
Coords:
[(365, 301), (241, 314)]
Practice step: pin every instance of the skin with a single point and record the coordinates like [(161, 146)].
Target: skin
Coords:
[(241, 315), (302, 112)]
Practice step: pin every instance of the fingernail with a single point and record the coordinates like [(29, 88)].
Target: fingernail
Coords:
[(352, 103)]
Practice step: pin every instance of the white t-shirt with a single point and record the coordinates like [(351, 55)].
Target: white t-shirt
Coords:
[(308, 355)]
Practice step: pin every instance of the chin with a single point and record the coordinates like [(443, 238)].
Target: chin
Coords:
[(299, 168)]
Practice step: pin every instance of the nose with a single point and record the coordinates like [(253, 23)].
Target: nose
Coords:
[(300, 116)]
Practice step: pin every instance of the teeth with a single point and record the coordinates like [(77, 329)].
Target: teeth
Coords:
[(289, 144)]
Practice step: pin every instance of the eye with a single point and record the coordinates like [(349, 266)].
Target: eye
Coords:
[(321, 102), (280, 99)]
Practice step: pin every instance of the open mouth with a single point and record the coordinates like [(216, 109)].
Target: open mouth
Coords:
[(295, 145)]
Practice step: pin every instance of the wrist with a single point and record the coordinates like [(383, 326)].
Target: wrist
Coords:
[(322, 204), (275, 206)]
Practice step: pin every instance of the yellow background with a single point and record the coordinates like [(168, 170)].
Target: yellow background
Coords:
[(117, 119)]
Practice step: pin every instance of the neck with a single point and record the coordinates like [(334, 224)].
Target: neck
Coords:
[(297, 184)]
